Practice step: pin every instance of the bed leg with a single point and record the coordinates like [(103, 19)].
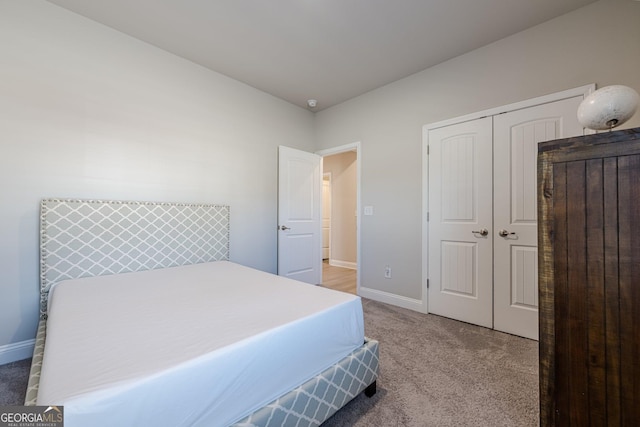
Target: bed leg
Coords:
[(370, 390)]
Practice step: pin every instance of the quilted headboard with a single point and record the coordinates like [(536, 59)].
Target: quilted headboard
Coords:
[(83, 238)]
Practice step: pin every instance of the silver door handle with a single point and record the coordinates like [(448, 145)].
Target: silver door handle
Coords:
[(505, 233), (284, 227), (483, 232)]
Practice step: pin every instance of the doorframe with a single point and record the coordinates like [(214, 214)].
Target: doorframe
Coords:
[(354, 146), (545, 99)]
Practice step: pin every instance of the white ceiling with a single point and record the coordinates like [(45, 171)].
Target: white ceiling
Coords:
[(329, 50)]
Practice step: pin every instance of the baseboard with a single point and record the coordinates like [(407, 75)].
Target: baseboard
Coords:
[(16, 351), (389, 298), (343, 264)]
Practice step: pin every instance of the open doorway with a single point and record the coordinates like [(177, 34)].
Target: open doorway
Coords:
[(326, 216), (341, 223)]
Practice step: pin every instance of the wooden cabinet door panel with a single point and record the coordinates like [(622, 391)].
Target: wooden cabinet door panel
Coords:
[(589, 229)]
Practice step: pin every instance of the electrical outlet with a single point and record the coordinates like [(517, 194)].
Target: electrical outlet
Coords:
[(387, 272)]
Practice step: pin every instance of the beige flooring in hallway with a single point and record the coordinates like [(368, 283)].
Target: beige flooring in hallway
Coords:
[(338, 278)]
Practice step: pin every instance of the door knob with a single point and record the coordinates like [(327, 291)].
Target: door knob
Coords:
[(483, 232), (284, 227), (505, 233)]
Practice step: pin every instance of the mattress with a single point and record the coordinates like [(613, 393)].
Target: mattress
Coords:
[(204, 344)]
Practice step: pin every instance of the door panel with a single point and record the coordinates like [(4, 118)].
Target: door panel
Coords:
[(524, 278), (460, 257), (299, 223), (458, 267), (516, 138)]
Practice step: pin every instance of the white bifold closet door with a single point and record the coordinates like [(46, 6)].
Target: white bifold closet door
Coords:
[(483, 185), (460, 218), (515, 245)]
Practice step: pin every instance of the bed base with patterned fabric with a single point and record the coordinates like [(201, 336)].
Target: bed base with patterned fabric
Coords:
[(320, 397), (36, 365), (84, 238)]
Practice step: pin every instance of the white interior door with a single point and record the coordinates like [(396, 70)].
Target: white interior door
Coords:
[(516, 138), (460, 222), (299, 209)]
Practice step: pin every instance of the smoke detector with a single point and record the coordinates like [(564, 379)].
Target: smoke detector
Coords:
[(312, 103)]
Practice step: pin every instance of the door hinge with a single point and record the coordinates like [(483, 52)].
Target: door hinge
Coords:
[(427, 216), (427, 283), (427, 150)]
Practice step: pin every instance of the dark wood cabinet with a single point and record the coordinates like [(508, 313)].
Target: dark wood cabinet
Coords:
[(589, 280)]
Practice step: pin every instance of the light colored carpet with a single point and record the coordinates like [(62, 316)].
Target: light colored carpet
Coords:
[(434, 372), (440, 372), (13, 382)]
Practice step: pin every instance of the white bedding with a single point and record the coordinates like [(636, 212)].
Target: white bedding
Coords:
[(205, 344)]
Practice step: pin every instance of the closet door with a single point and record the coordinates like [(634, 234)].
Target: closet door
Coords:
[(460, 222), (516, 138)]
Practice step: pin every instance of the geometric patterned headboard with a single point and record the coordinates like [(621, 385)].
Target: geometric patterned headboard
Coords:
[(84, 238)]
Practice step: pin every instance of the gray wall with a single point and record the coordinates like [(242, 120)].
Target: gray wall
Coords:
[(599, 43), (89, 112), (86, 111)]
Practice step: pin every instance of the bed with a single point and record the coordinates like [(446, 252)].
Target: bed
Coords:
[(214, 342)]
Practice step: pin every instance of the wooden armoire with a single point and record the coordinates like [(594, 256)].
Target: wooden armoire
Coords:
[(589, 280)]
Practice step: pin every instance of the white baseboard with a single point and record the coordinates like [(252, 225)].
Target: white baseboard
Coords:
[(343, 264), (16, 351), (389, 298)]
